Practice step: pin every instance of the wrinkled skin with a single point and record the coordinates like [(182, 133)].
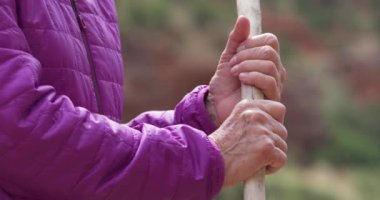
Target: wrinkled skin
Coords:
[(251, 133), (251, 138), (253, 61)]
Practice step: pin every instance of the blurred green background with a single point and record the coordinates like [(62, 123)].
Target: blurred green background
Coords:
[(331, 52)]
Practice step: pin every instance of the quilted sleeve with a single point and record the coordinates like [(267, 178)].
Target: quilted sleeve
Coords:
[(51, 149), (190, 111)]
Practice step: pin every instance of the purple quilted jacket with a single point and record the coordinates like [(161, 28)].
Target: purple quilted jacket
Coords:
[(61, 76)]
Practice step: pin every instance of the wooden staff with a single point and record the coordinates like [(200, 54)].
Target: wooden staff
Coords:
[(254, 188)]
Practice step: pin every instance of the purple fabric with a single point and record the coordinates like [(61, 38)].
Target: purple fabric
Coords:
[(61, 83)]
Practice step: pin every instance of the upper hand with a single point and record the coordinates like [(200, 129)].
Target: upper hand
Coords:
[(253, 61)]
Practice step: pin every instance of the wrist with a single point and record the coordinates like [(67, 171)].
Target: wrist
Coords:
[(211, 110), (220, 144)]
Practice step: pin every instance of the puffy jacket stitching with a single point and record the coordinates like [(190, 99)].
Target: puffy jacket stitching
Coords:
[(100, 17), (63, 3), (66, 68), (110, 82), (53, 30), (28, 66), (4, 11), (3, 5), (82, 73), (9, 28), (35, 76), (104, 19), (105, 47), (68, 5)]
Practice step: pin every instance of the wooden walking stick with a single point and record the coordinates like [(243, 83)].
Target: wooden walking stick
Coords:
[(254, 188)]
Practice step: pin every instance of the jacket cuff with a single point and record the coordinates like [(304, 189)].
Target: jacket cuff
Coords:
[(192, 110)]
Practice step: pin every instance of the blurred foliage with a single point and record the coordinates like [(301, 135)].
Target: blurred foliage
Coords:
[(320, 182), (330, 49), (354, 129)]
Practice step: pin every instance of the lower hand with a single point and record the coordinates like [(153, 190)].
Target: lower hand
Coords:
[(251, 138)]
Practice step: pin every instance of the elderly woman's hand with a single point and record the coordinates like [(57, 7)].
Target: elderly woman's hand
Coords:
[(251, 138), (253, 61)]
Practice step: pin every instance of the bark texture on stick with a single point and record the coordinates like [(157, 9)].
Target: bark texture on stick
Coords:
[(254, 188)]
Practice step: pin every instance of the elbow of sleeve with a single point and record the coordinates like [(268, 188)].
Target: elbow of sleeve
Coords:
[(176, 162)]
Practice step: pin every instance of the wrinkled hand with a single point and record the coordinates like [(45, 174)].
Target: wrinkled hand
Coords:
[(253, 61), (251, 138)]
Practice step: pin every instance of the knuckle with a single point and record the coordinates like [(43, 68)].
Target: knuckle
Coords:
[(272, 68), (271, 82), (282, 107), (267, 144), (278, 106), (271, 38), (268, 52), (281, 159), (246, 115), (253, 116), (243, 105), (258, 116)]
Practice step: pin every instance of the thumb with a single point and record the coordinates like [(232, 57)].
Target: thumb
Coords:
[(238, 35)]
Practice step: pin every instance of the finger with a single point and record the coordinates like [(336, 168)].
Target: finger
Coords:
[(277, 160), (261, 40), (260, 53), (263, 66), (266, 39), (280, 130), (239, 34), (267, 84), (257, 53), (269, 126), (275, 109), (278, 141), (271, 139)]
